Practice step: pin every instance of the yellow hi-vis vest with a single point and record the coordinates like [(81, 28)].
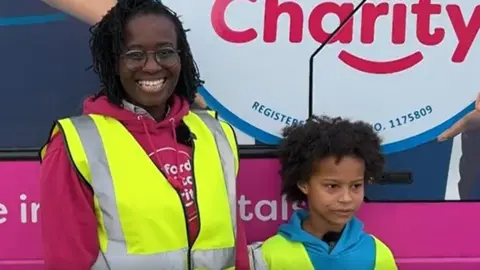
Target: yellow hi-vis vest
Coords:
[(141, 221), (277, 253)]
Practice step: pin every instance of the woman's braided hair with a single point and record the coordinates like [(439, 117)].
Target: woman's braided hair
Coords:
[(107, 44)]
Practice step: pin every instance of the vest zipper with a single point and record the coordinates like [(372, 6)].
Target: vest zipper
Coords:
[(192, 141), (189, 255), (186, 221)]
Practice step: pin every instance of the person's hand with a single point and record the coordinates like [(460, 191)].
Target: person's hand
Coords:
[(443, 137), (460, 125), (200, 101), (88, 11), (477, 103)]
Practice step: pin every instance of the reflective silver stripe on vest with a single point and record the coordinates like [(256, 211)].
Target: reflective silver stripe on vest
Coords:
[(214, 259), (228, 161), (175, 260), (256, 257), (117, 257)]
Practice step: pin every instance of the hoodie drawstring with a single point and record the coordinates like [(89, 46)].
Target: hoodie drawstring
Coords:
[(177, 152), (174, 180)]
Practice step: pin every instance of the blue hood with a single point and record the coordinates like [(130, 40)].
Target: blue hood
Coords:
[(353, 244)]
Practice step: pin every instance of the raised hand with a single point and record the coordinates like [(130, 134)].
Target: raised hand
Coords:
[(477, 103)]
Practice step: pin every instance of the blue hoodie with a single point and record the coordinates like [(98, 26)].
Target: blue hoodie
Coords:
[(354, 250)]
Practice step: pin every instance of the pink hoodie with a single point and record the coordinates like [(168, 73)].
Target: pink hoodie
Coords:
[(69, 224)]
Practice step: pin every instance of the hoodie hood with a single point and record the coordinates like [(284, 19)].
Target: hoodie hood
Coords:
[(150, 134), (130, 114), (350, 238), (354, 250)]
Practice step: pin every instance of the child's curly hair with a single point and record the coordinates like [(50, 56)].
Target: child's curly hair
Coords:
[(321, 137)]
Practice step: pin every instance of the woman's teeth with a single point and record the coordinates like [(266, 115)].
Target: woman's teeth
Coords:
[(151, 86)]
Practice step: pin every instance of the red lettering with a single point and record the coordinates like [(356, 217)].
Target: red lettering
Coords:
[(465, 29), (399, 25), (273, 10), (220, 26), (370, 14), (424, 10), (466, 33), (345, 35)]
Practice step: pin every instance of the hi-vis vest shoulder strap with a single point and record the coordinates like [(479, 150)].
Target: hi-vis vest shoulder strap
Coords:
[(141, 220), (292, 255)]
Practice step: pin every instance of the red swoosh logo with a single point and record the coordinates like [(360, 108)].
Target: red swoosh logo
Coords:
[(380, 67)]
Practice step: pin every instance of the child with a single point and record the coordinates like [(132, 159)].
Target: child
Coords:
[(325, 163)]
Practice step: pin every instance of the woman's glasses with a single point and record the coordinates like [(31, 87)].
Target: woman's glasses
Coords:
[(137, 59)]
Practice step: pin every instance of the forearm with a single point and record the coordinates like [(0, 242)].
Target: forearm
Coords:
[(460, 125), (89, 11), (456, 129)]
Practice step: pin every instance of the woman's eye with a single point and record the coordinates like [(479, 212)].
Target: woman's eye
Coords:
[(165, 53), (135, 55)]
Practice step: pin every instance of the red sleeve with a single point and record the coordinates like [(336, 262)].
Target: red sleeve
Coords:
[(242, 261), (69, 225)]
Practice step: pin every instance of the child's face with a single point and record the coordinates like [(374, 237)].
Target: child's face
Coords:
[(335, 191)]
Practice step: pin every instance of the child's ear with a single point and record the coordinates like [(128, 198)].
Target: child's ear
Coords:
[(303, 187)]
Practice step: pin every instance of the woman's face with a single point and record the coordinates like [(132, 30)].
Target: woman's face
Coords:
[(150, 66)]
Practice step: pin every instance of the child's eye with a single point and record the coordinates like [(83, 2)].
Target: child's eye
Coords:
[(356, 186), (331, 186)]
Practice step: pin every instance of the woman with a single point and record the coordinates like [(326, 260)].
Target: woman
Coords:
[(91, 12), (140, 181)]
